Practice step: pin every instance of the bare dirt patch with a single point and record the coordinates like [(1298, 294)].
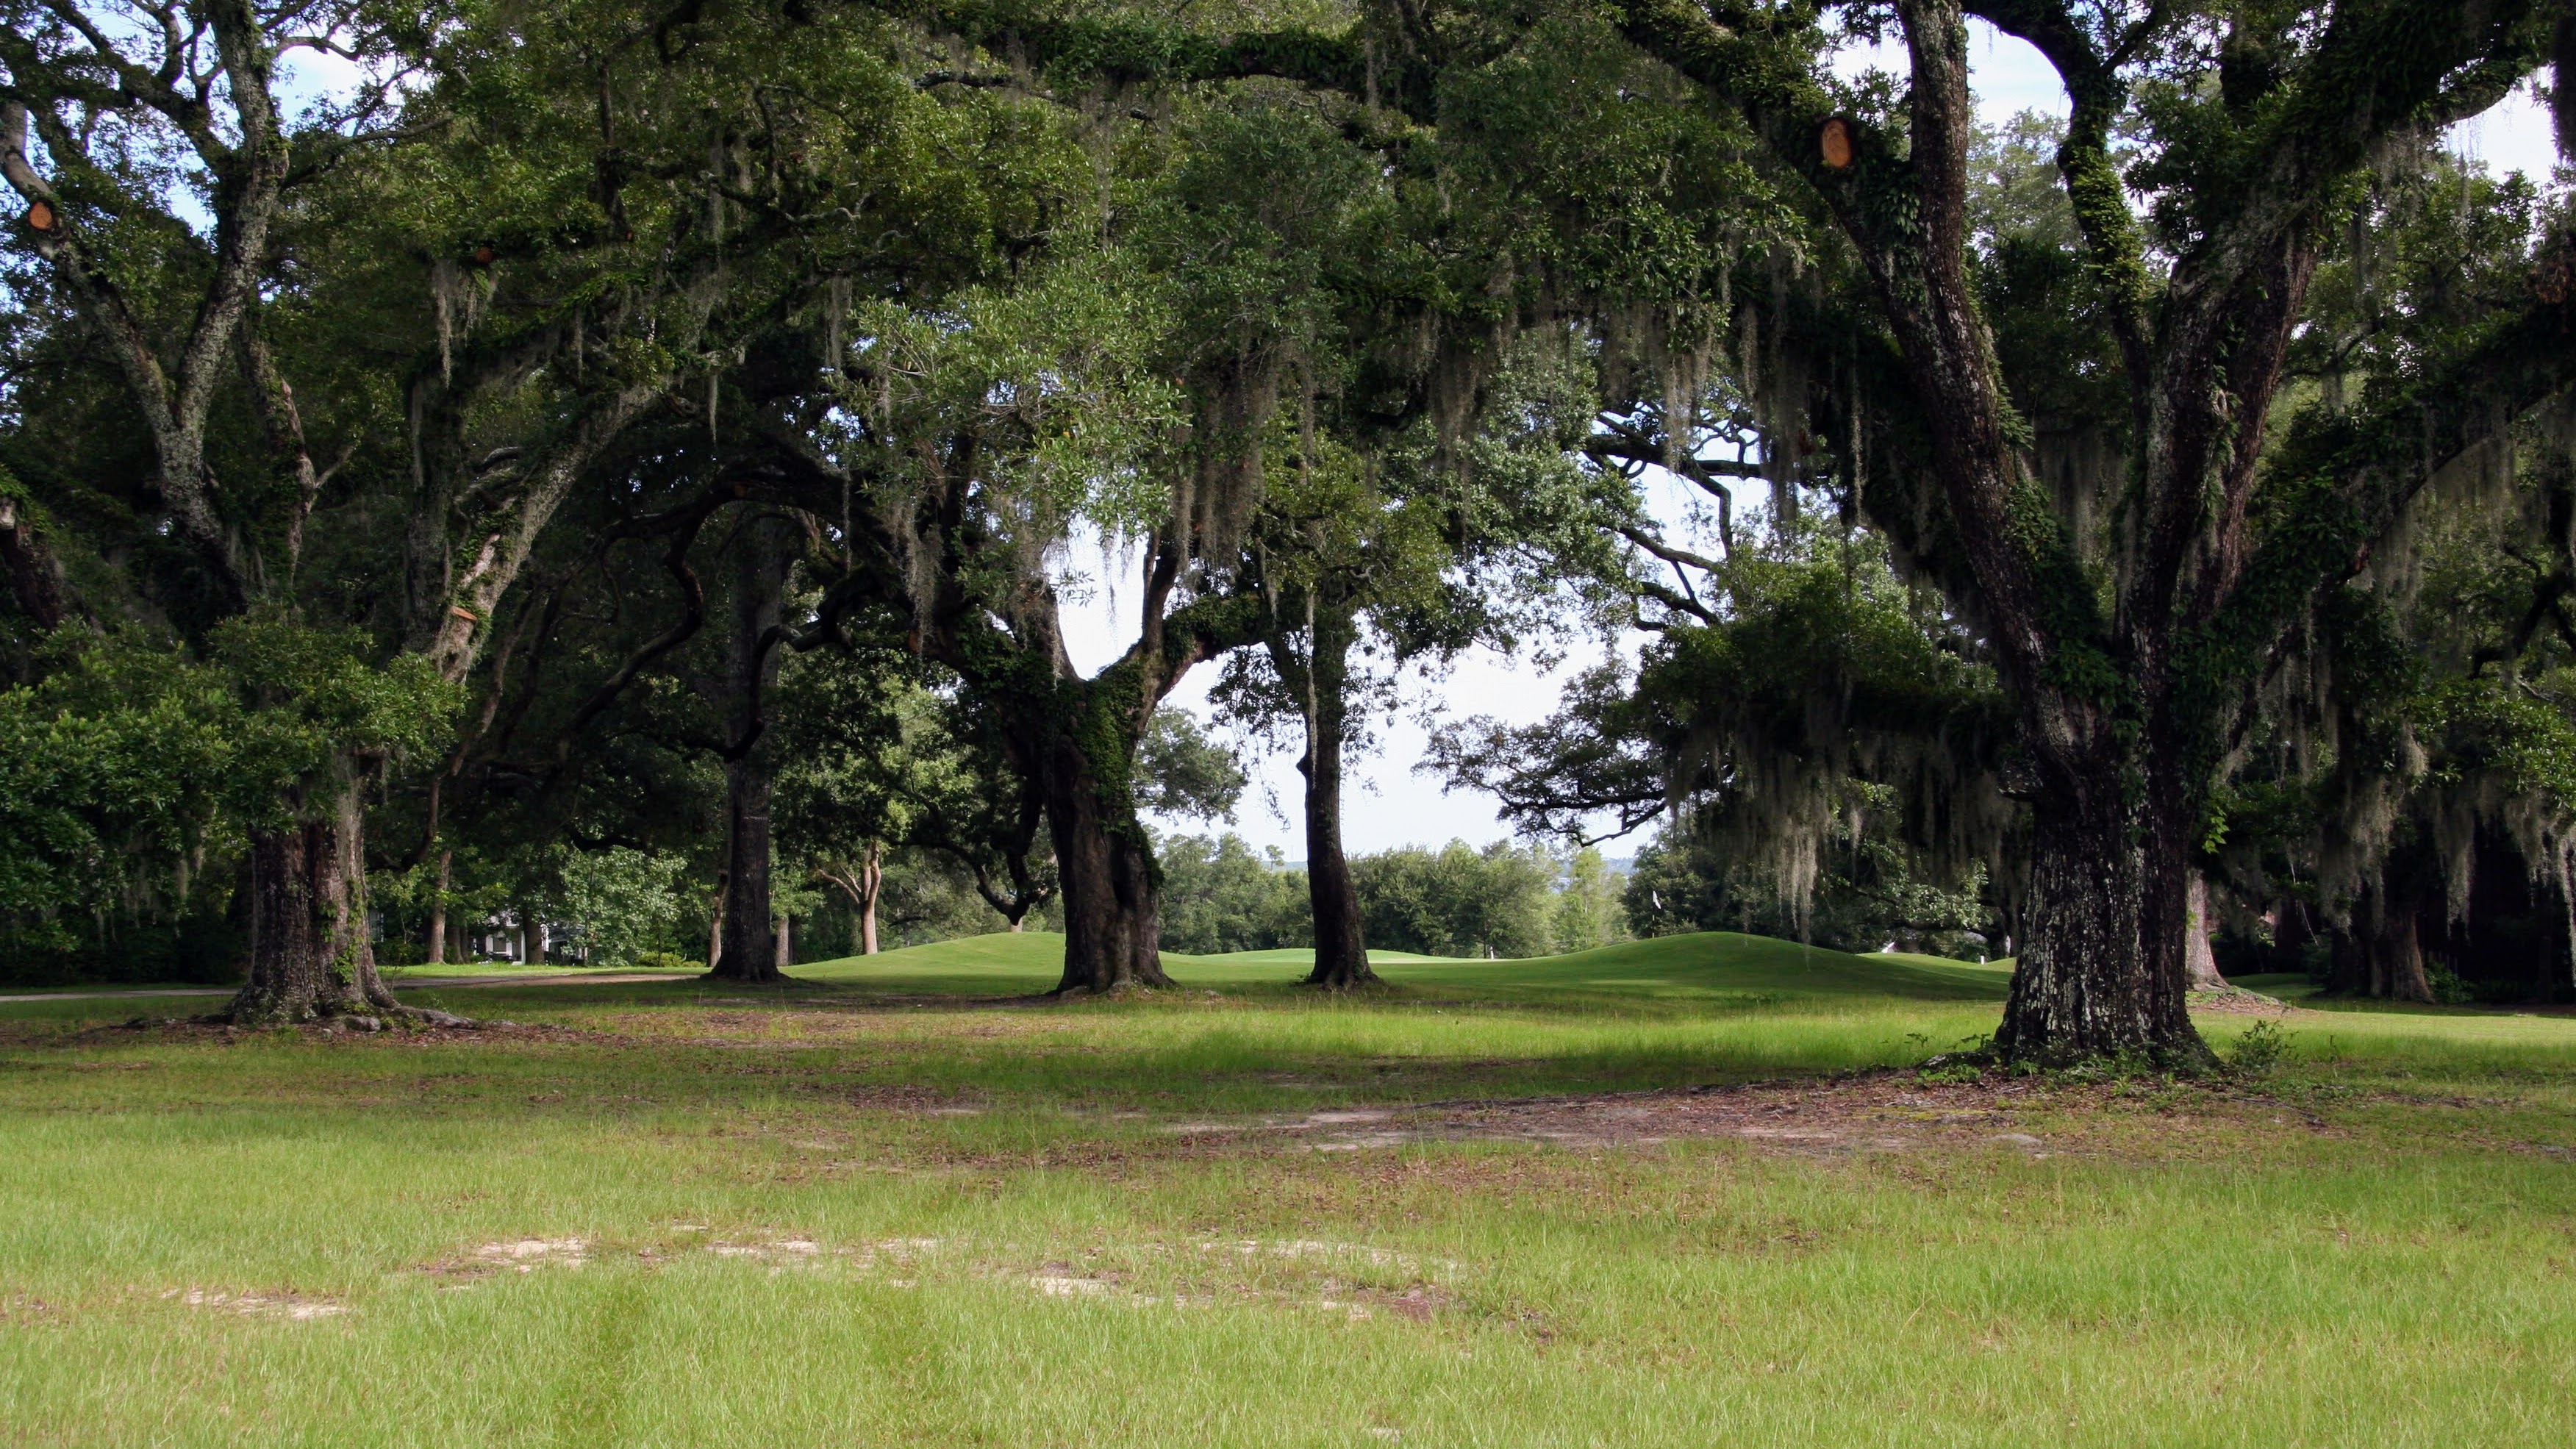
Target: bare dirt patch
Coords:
[(527, 1255), (1417, 1303), (509, 1255), (780, 1252), (1355, 1280), (287, 1304)]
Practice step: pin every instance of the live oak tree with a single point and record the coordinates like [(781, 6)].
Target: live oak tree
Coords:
[(2130, 662), (1825, 746), (2403, 798), (554, 229), (1125, 388), (968, 443), (712, 181), (920, 318), (1384, 550), (2130, 656), (114, 121)]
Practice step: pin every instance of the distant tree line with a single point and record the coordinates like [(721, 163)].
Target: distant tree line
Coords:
[(1505, 900)]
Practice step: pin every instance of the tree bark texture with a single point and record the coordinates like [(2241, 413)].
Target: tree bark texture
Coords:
[(2402, 951), (746, 947), (310, 956), (2099, 973), (750, 949), (1108, 881)]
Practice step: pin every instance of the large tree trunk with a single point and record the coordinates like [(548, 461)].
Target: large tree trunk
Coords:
[(1111, 891), (2101, 971), (309, 955), (2377, 951), (2405, 956), (749, 951), (746, 949), (2397, 952), (1341, 955)]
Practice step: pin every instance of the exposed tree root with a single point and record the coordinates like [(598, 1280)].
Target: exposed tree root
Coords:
[(355, 1013)]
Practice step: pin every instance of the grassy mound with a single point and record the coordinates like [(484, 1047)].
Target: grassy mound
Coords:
[(1709, 966)]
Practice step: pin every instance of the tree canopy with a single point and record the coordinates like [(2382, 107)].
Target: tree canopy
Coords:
[(640, 463)]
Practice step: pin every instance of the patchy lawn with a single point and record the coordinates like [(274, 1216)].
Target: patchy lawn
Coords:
[(1683, 1192)]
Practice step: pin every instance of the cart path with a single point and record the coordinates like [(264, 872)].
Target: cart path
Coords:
[(414, 984)]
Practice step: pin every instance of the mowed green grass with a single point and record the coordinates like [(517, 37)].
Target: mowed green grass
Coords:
[(905, 1202)]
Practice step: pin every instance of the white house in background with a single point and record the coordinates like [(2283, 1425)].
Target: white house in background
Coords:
[(498, 937)]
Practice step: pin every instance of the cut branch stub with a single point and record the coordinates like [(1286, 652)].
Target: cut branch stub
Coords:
[(40, 216), (1834, 142)]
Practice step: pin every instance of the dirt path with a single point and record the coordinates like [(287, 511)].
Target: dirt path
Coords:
[(411, 984)]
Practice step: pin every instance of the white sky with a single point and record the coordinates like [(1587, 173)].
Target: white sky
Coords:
[(1387, 802)]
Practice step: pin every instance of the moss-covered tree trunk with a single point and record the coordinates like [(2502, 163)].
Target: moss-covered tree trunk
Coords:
[(2101, 970), (1108, 883), (310, 956)]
